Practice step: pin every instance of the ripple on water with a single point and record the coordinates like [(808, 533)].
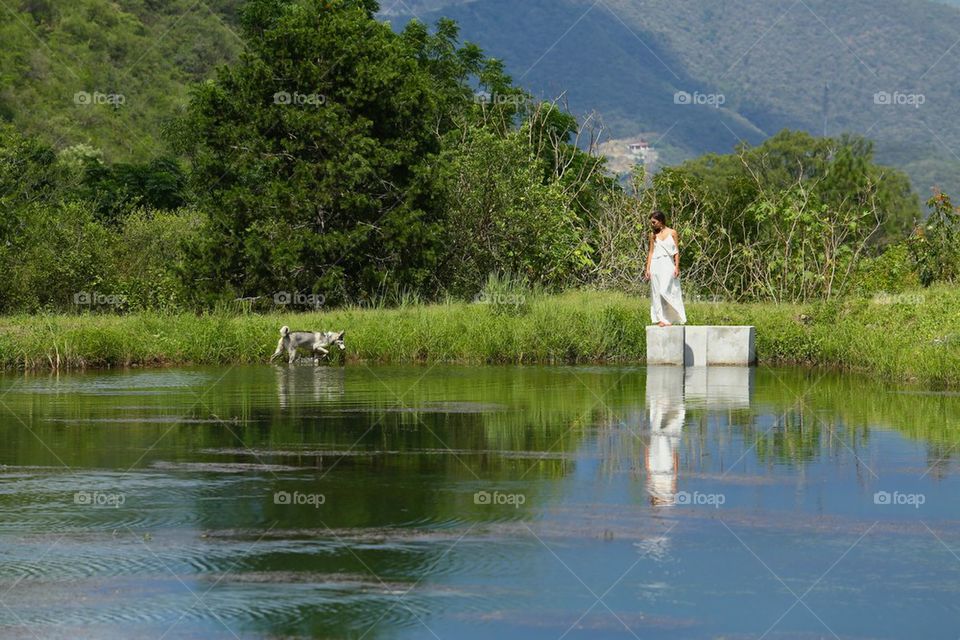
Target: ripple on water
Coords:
[(222, 467), (65, 501), (168, 419), (145, 383), (360, 453)]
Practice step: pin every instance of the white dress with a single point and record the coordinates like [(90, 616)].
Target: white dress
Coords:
[(666, 300)]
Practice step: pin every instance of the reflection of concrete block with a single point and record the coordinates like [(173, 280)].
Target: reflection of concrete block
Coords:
[(665, 345), (665, 382), (719, 387), (695, 346), (695, 383), (731, 345)]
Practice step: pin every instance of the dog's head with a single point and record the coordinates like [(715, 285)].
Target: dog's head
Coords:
[(336, 338)]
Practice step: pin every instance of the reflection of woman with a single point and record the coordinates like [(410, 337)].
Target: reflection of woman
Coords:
[(667, 414), (663, 272), (663, 457)]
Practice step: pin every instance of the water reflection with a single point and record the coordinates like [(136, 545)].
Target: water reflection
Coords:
[(599, 455), (303, 384), (667, 411), (718, 388), (668, 392)]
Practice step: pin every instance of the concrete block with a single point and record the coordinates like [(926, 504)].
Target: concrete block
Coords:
[(665, 345), (731, 346), (695, 346)]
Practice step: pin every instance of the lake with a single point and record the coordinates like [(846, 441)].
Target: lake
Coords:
[(477, 502)]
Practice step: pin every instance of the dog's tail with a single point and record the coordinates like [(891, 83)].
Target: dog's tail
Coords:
[(284, 331)]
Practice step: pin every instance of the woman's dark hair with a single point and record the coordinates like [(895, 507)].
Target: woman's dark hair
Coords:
[(659, 217)]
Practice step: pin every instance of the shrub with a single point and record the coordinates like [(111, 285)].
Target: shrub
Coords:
[(60, 252), (892, 271), (149, 264)]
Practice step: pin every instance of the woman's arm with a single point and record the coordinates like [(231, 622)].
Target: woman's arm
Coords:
[(646, 272), (676, 256)]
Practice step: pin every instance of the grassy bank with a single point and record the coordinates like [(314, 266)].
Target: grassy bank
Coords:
[(910, 336)]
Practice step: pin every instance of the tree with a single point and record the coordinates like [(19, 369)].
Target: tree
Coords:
[(788, 220), (117, 189), (315, 154), (935, 243), (504, 218), (840, 172)]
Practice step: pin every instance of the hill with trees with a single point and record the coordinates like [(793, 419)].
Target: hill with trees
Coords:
[(109, 74)]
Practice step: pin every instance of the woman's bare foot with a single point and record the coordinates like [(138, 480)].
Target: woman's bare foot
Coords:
[(663, 324)]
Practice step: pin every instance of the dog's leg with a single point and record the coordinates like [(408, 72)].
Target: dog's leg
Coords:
[(293, 355), (279, 351), (318, 353)]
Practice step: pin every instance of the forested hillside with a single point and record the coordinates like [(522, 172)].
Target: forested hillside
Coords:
[(109, 74)]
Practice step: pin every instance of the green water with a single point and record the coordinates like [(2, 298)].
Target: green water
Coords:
[(458, 502)]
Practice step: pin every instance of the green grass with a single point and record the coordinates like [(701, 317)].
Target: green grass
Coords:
[(915, 336)]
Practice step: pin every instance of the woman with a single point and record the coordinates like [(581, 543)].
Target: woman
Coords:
[(663, 272)]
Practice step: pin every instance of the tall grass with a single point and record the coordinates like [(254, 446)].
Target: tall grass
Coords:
[(914, 335)]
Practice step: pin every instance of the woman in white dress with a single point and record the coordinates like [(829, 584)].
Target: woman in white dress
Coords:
[(663, 272)]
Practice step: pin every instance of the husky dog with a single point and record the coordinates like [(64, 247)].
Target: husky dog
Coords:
[(315, 341)]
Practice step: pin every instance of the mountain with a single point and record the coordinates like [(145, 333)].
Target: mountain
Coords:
[(693, 76)]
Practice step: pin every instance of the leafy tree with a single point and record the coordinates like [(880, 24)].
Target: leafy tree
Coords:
[(28, 169), (787, 220), (935, 243), (316, 154), (840, 172), (60, 251), (504, 219), (29, 173), (117, 189)]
